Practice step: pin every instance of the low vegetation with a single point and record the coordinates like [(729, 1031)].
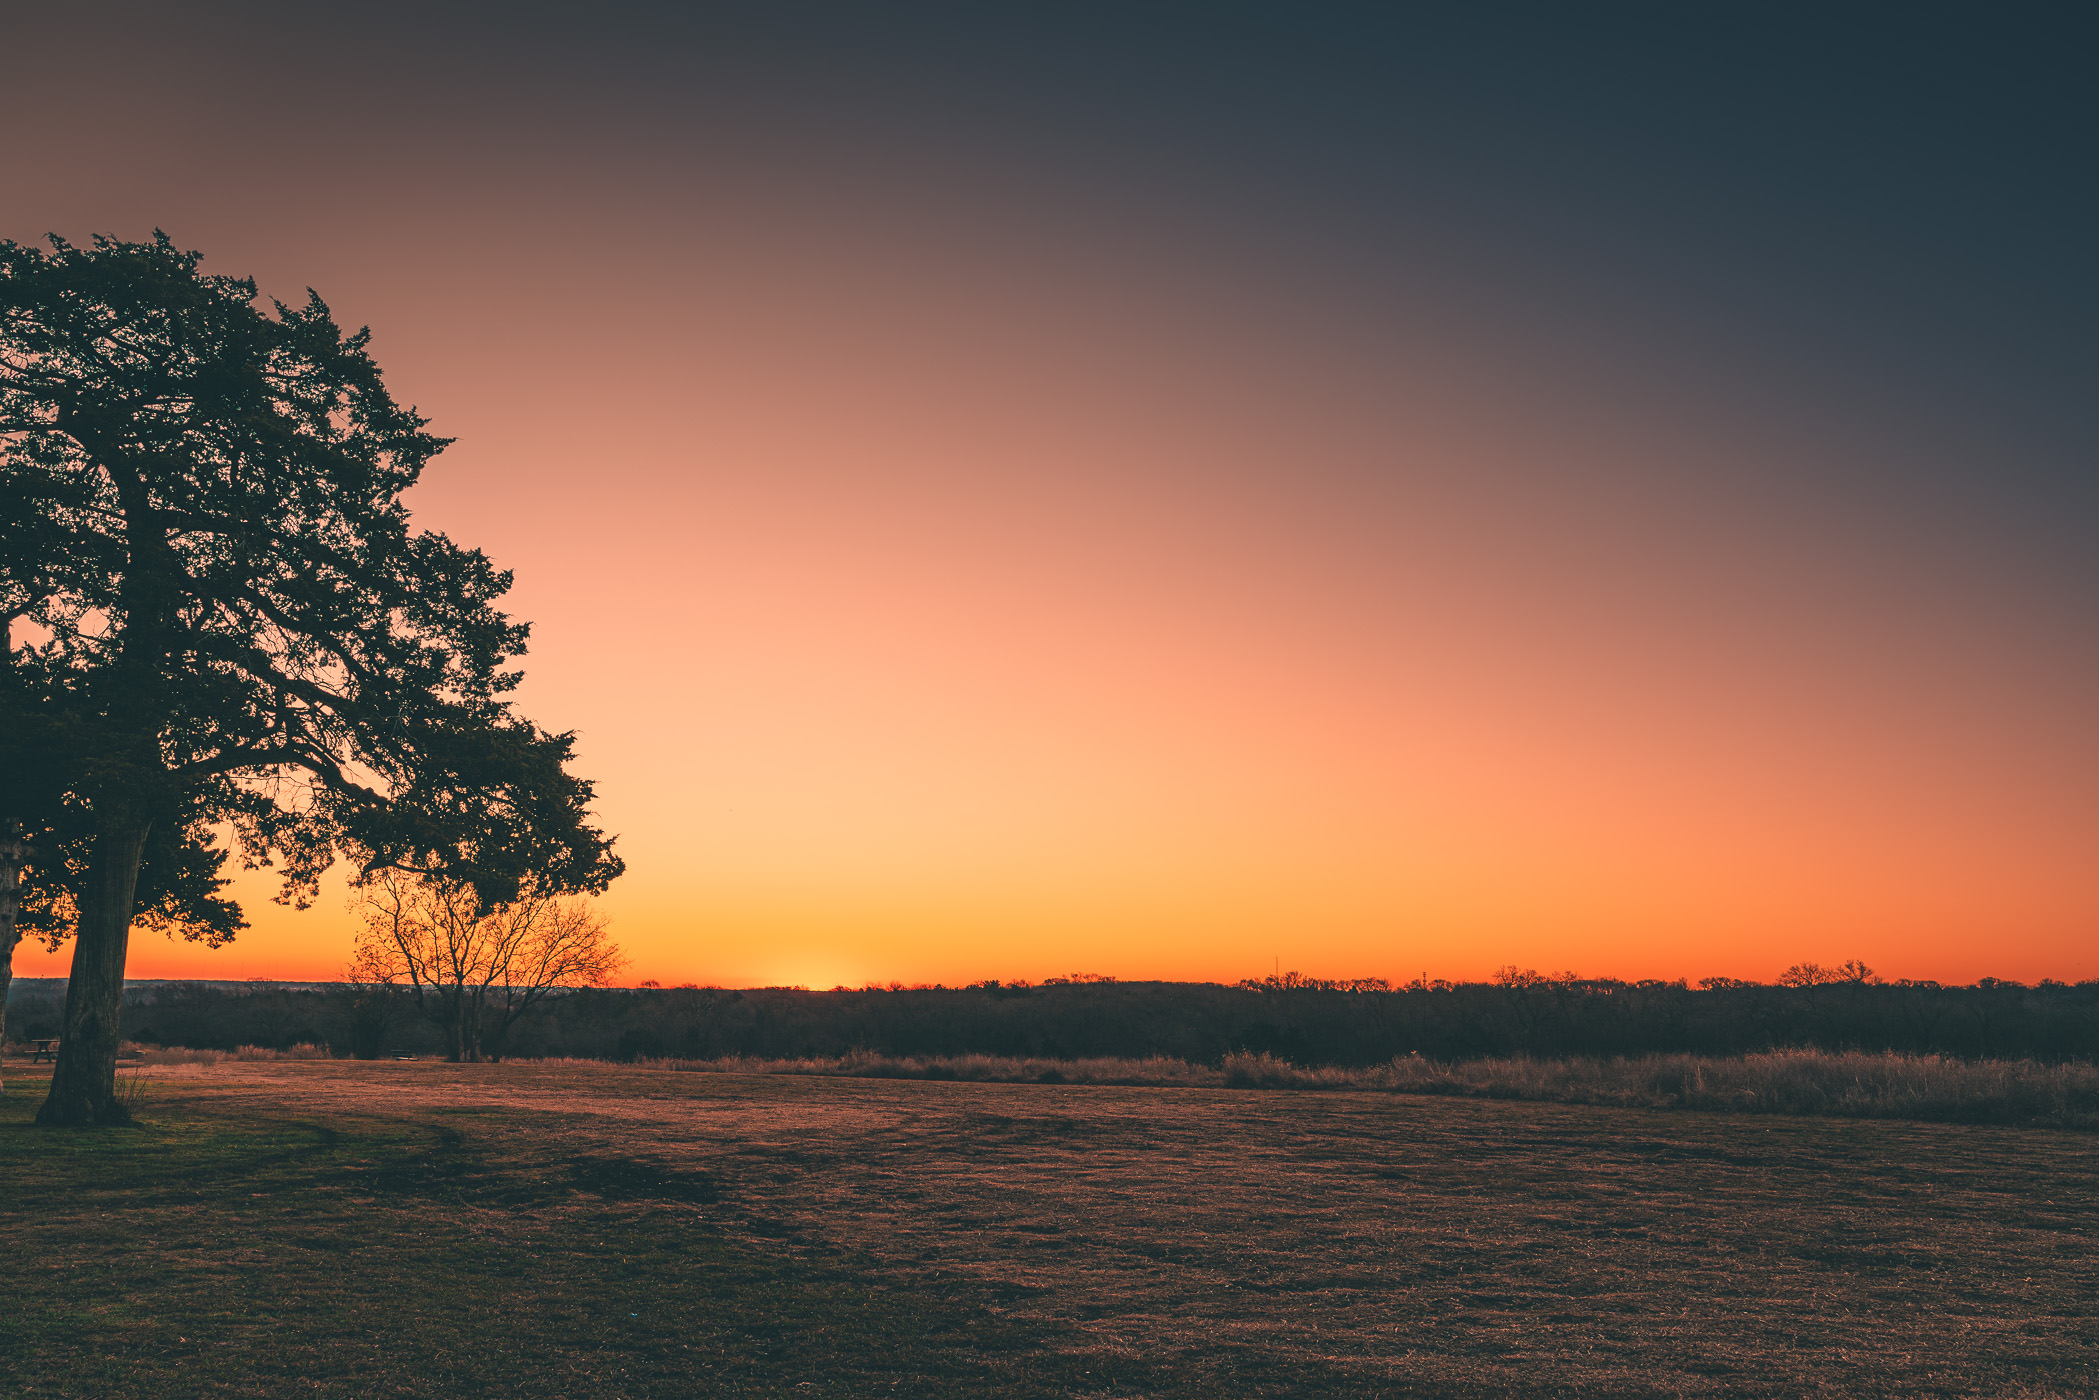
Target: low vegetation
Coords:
[(182, 1055), (1927, 1088), (1843, 1084), (1303, 1021), (1820, 1042)]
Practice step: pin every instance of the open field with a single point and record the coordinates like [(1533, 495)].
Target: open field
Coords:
[(340, 1228), (1833, 1083), (1826, 1083)]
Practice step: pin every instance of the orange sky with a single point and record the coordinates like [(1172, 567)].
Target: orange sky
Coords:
[(950, 581), (937, 627)]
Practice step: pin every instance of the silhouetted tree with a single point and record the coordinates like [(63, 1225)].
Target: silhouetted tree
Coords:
[(477, 971), (369, 1018), (206, 500)]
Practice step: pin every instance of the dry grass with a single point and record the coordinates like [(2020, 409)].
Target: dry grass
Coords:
[(1846, 1084), (1843, 1084), (1157, 1071), (181, 1055), (1126, 1240), (232, 1245)]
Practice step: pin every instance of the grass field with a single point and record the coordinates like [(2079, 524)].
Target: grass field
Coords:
[(1830, 1083), (328, 1228)]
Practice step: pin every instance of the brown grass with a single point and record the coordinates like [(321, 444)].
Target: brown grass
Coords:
[(1186, 1242), (1844, 1084), (181, 1055), (1156, 1071)]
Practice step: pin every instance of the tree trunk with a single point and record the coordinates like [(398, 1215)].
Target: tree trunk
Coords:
[(494, 1037), (84, 1082), (13, 853)]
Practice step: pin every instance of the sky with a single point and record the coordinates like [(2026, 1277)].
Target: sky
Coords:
[(1191, 491)]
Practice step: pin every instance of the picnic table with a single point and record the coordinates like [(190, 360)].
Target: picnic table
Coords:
[(46, 1051)]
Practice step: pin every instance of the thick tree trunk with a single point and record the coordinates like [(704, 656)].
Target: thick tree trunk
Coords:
[(12, 855), (84, 1082)]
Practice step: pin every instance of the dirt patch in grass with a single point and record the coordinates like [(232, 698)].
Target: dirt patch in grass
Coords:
[(420, 1229)]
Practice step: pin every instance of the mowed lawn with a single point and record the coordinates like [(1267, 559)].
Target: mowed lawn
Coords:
[(289, 1228)]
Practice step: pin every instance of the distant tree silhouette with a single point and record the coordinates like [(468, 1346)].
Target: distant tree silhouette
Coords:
[(1809, 974), (369, 1017), (233, 621), (1444, 1022)]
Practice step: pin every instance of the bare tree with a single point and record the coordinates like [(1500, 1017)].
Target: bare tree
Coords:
[(477, 971), (1810, 974)]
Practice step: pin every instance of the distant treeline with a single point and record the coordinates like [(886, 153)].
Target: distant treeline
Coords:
[(1301, 1020)]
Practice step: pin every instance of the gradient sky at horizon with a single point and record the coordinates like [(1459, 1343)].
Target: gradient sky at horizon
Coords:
[(1162, 490)]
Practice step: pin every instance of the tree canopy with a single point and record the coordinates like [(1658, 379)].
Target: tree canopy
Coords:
[(219, 613)]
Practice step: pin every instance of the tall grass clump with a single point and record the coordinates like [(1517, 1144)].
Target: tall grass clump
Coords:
[(976, 1069), (1840, 1083), (1245, 1069), (1847, 1084), (182, 1055)]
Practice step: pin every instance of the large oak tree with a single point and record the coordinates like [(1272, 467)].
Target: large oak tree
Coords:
[(218, 614)]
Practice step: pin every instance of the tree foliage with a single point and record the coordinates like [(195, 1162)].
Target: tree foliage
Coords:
[(226, 618)]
